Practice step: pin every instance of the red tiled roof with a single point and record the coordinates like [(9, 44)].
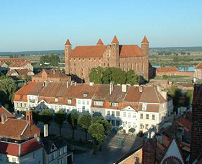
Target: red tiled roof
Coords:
[(145, 40), (4, 110), (130, 51), (115, 40), (52, 74), (9, 148), (67, 42), (166, 69), (199, 66), (88, 51), (186, 123), (19, 149), (18, 129)]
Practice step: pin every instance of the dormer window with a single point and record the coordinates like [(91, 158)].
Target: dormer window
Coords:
[(69, 101), (56, 99), (85, 94), (114, 104)]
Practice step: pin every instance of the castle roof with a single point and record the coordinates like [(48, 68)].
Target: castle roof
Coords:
[(145, 40), (115, 40), (67, 42), (167, 69), (100, 42), (130, 51)]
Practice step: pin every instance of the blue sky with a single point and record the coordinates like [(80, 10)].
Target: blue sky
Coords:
[(46, 24)]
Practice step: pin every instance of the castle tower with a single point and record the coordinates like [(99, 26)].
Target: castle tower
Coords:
[(115, 59), (99, 43), (145, 46), (145, 50), (68, 50)]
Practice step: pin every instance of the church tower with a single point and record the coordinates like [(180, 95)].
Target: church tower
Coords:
[(68, 51), (145, 50), (115, 59)]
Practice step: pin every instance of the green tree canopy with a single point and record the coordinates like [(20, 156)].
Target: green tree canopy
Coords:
[(52, 59), (85, 121), (132, 78), (107, 126), (36, 116), (72, 119), (98, 133), (59, 118), (96, 74), (46, 116)]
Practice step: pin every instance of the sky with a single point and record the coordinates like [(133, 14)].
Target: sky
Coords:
[(34, 25)]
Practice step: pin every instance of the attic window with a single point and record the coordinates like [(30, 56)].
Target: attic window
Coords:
[(114, 104), (56, 99), (69, 101), (85, 94)]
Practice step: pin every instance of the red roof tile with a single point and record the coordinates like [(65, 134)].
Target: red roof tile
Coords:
[(145, 40), (4, 110), (88, 51), (130, 51), (167, 69), (115, 40), (100, 42), (67, 42), (9, 148)]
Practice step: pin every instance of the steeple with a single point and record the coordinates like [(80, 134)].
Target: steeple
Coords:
[(115, 40), (145, 40), (68, 42), (100, 42)]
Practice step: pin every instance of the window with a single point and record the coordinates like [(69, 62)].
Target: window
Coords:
[(129, 115), (117, 113), (61, 151), (124, 114), (114, 104), (14, 159), (113, 113), (34, 154), (153, 117), (134, 115), (83, 108), (141, 116), (61, 161), (129, 124), (56, 99), (79, 101), (69, 101), (83, 102), (98, 103), (147, 116), (87, 102), (108, 112)]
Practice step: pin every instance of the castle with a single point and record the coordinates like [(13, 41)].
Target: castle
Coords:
[(81, 59)]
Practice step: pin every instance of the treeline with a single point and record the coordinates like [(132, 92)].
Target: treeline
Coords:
[(173, 53), (51, 60), (101, 75)]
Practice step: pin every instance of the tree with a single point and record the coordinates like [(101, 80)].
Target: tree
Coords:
[(98, 133), (59, 118), (189, 97), (175, 93), (106, 78), (107, 126), (85, 121), (72, 119), (132, 78), (96, 74), (7, 90), (46, 116), (36, 116), (118, 76)]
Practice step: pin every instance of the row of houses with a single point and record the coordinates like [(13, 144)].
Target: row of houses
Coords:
[(139, 107), (20, 142)]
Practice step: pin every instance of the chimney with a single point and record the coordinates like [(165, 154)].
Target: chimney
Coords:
[(74, 83), (111, 88), (71, 83), (54, 72), (29, 118), (67, 84), (140, 89), (124, 88), (45, 130), (3, 118)]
